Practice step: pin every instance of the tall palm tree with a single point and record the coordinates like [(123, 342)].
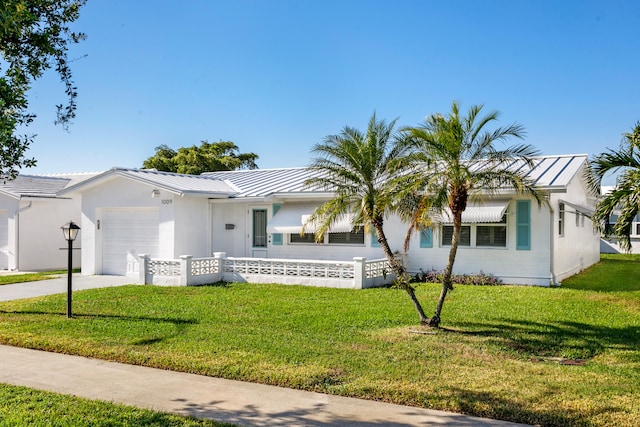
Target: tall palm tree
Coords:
[(363, 170), (625, 197), (456, 158)]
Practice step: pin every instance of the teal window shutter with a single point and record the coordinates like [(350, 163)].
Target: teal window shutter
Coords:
[(374, 238), (426, 238), (523, 225), (276, 238)]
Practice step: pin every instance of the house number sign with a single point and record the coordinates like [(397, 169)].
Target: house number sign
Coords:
[(167, 201)]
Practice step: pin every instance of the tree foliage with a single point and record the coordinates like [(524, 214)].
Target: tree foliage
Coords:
[(455, 158), (194, 160), (624, 199), (34, 37), (364, 171)]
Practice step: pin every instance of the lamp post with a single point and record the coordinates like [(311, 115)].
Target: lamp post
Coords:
[(70, 232)]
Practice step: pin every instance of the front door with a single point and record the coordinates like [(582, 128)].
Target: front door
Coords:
[(258, 231)]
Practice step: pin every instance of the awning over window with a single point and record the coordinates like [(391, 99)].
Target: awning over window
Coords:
[(587, 211), (492, 211), (291, 217)]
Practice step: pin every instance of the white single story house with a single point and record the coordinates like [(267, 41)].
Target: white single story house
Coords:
[(31, 214), (260, 214)]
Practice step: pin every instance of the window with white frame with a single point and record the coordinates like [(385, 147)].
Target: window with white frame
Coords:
[(491, 235), (354, 237), (487, 235), (561, 219), (465, 235)]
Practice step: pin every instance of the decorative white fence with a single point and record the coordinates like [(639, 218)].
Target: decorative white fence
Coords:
[(357, 274)]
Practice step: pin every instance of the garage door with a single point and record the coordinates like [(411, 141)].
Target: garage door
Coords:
[(4, 239), (128, 231)]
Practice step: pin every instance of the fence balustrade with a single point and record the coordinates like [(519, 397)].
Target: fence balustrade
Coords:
[(358, 273)]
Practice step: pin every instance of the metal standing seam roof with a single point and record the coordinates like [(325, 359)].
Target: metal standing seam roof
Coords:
[(33, 186), (181, 184), (548, 172), (265, 182)]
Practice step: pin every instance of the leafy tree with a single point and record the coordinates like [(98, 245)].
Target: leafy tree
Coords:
[(455, 157), (363, 170), (625, 197), (34, 37), (208, 157)]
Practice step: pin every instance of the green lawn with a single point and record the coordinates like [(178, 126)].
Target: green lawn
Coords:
[(21, 406), (549, 356), (29, 277)]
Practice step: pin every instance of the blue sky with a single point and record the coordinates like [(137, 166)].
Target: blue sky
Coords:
[(276, 77)]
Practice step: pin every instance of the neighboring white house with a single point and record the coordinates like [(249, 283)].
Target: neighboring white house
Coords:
[(31, 214), (609, 245), (260, 213)]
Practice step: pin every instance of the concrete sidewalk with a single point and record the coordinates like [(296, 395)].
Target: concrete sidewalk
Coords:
[(244, 404), (58, 285)]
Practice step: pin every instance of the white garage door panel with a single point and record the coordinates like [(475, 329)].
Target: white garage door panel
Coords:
[(128, 231), (4, 239)]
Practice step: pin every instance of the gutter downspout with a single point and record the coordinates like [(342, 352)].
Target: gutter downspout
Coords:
[(17, 234)]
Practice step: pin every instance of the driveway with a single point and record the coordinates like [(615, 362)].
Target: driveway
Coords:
[(59, 285)]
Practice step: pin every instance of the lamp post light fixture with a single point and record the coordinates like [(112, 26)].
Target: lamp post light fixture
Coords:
[(70, 232)]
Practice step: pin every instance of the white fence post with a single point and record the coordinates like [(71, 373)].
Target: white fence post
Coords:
[(143, 266), (359, 275), (219, 257), (185, 269)]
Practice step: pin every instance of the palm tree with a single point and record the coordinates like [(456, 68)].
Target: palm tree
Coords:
[(363, 170), (626, 195), (455, 158)]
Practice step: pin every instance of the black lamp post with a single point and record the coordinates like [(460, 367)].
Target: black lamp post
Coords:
[(70, 232)]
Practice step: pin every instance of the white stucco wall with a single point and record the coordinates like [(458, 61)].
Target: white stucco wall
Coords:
[(124, 193), (34, 237), (512, 266), (41, 235), (237, 242), (8, 254), (233, 241), (192, 226), (579, 247)]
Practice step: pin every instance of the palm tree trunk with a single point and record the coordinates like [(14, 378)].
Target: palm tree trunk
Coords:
[(400, 271), (447, 284)]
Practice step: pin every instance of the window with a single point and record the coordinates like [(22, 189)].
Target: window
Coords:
[(638, 229), (577, 219), (491, 235), (561, 219), (306, 238), (355, 237), (447, 235)]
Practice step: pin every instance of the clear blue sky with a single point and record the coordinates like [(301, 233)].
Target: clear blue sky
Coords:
[(276, 77)]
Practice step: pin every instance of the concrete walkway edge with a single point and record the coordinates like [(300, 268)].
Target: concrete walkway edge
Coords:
[(244, 404)]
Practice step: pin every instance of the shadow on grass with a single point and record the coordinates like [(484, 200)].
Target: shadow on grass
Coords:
[(179, 324), (490, 405), (563, 338)]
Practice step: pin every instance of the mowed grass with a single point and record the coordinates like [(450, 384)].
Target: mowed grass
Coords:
[(21, 406), (566, 356), (29, 277)]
